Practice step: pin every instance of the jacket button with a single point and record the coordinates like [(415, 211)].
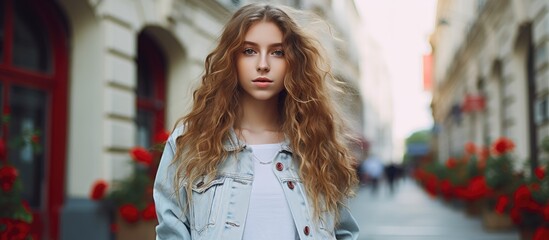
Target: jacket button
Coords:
[(290, 185), (306, 230), (279, 166)]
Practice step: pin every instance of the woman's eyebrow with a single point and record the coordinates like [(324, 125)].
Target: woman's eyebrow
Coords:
[(270, 45)]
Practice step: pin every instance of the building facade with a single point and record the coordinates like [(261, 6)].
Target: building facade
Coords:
[(378, 104), (491, 75), (98, 77)]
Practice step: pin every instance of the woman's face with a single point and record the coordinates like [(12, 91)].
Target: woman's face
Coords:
[(261, 62)]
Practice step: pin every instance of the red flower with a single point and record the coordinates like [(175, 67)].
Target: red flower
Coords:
[(161, 137), (141, 155), (546, 213), (501, 204), (542, 233), (446, 188), (8, 174), (478, 188), (14, 229), (524, 201), (149, 213), (522, 195), (451, 163), (539, 172), (35, 138), (431, 183), (502, 146), (2, 150), (470, 148), (515, 215), (129, 212), (98, 190)]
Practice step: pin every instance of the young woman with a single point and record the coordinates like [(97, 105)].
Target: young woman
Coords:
[(261, 155)]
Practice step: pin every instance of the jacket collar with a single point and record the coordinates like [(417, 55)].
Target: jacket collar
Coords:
[(232, 143)]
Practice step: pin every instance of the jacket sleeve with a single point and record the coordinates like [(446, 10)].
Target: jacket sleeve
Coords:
[(172, 221), (347, 229)]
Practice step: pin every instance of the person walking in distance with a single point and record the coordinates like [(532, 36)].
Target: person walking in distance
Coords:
[(262, 154), (373, 170)]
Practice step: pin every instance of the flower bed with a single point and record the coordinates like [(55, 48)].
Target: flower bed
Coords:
[(510, 197)]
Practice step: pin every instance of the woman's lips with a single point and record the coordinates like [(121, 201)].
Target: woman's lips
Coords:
[(262, 82)]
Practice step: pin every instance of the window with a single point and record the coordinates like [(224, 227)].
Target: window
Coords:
[(28, 114), (33, 89), (542, 110), (150, 90), (30, 44)]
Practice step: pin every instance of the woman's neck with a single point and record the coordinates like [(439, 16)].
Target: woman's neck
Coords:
[(259, 122)]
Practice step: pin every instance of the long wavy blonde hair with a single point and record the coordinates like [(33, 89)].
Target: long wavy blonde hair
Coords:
[(308, 117)]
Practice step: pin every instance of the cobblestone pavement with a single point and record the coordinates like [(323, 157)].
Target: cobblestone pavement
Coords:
[(410, 214)]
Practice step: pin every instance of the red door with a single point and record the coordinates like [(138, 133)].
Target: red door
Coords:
[(33, 89)]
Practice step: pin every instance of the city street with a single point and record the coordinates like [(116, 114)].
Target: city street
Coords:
[(410, 214)]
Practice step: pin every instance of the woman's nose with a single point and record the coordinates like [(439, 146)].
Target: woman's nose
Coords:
[(263, 65)]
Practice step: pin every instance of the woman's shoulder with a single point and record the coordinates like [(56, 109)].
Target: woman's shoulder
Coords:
[(176, 132)]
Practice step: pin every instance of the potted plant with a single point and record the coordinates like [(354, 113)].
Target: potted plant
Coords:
[(130, 200), (503, 181)]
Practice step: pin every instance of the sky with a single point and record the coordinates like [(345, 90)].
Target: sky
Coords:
[(402, 29)]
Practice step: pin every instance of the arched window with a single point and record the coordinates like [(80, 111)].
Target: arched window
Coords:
[(151, 93), (33, 91)]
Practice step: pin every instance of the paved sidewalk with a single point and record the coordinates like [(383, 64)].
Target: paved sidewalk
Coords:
[(410, 214)]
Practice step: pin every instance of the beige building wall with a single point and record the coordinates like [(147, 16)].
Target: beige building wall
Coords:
[(480, 48)]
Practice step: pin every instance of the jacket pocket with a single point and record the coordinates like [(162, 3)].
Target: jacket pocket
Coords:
[(206, 201)]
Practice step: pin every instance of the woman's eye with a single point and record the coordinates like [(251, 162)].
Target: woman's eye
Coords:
[(279, 53), (248, 51)]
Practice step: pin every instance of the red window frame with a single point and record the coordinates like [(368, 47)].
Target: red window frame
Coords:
[(55, 84)]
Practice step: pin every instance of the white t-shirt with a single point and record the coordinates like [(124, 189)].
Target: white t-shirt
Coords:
[(269, 215)]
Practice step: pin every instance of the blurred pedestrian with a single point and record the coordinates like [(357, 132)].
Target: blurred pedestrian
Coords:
[(372, 169), (392, 172), (260, 155)]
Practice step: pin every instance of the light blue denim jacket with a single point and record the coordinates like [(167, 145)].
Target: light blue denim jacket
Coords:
[(218, 210)]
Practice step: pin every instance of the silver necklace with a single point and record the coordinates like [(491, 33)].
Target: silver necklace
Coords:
[(260, 162), (255, 157)]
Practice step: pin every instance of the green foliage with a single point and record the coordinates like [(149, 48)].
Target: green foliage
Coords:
[(458, 174), (500, 176), (135, 189), (10, 204), (423, 136), (545, 144), (437, 169), (472, 167)]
